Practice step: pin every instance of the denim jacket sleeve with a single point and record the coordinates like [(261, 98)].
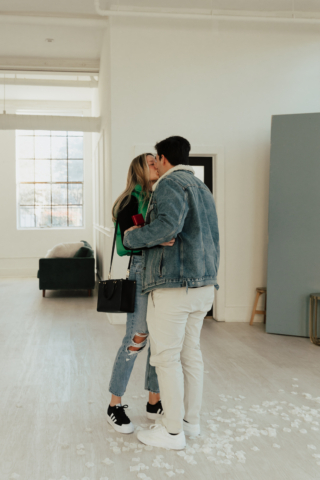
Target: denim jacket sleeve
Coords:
[(172, 208)]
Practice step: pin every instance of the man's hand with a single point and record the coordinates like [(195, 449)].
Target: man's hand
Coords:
[(168, 244), (132, 228)]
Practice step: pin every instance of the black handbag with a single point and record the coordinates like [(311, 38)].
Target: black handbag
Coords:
[(117, 296)]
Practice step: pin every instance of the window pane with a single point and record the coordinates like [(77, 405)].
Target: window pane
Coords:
[(27, 218), (42, 133), (43, 216), (59, 134), (26, 194), (75, 171), (75, 147), (42, 171), (59, 147), (25, 147), (42, 147), (26, 170), (75, 194), (59, 194), (75, 134), (75, 216), (25, 132), (59, 170), (59, 217), (43, 194)]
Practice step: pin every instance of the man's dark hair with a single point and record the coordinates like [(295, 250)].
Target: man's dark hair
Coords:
[(175, 149)]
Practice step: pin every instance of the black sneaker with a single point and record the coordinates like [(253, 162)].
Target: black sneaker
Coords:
[(118, 419), (154, 411)]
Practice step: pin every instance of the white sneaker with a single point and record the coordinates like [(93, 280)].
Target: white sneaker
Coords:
[(157, 436), (191, 430)]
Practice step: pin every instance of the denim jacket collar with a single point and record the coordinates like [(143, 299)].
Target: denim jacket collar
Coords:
[(174, 169)]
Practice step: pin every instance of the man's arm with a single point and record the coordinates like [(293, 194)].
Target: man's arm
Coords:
[(172, 210)]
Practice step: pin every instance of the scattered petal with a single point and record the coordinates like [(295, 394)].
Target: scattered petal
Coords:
[(275, 445), (287, 430), (312, 447), (303, 430), (107, 461), (179, 470), (170, 473), (255, 449), (15, 476), (89, 464), (80, 446)]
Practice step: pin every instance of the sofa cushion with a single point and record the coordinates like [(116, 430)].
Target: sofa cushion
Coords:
[(84, 252), (64, 250)]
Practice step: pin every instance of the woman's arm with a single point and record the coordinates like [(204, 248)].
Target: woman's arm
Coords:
[(125, 216)]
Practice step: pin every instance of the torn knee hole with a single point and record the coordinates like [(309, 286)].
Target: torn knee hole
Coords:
[(138, 343)]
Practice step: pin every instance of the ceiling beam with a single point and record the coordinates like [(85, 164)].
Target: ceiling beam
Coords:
[(89, 21), (49, 122), (40, 64), (49, 83)]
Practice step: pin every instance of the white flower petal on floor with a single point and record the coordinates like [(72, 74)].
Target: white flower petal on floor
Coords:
[(287, 430), (143, 396), (179, 470), (275, 445), (303, 430), (255, 449), (107, 461), (136, 459), (138, 451), (142, 475), (170, 474), (125, 449), (312, 447), (14, 476), (89, 464), (135, 396), (80, 446)]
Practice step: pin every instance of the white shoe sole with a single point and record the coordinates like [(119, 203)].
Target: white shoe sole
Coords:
[(191, 430), (168, 444), (154, 416), (129, 428)]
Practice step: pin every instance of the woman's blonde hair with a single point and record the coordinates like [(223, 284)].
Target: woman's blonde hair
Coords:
[(138, 174)]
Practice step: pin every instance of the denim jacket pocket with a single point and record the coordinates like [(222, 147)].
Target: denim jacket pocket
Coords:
[(161, 262)]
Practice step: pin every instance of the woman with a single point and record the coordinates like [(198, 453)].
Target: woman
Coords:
[(141, 176)]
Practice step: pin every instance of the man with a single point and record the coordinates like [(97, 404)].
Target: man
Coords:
[(181, 279)]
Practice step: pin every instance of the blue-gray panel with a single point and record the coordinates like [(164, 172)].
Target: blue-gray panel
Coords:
[(294, 222)]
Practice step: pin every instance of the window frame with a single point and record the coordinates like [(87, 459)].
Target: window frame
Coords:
[(18, 183)]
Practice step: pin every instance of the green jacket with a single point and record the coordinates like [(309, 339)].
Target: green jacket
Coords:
[(142, 208)]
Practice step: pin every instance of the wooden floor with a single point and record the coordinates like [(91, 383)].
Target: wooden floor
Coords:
[(261, 409)]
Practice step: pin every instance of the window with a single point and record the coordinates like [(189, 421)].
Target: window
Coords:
[(49, 179)]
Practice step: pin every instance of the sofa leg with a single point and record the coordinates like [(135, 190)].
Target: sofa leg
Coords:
[(89, 292), (43, 293)]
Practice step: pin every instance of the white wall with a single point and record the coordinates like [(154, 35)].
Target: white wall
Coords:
[(216, 84), (20, 250)]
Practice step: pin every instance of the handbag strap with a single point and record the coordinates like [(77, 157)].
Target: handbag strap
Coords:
[(112, 253)]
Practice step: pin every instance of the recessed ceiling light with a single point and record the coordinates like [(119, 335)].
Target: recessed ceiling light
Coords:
[(49, 40)]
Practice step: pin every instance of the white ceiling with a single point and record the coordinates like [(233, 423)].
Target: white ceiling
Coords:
[(84, 42), (86, 7)]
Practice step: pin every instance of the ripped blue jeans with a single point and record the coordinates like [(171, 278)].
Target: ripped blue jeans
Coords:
[(136, 326)]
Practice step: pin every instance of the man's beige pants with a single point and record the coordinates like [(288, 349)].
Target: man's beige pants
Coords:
[(175, 318)]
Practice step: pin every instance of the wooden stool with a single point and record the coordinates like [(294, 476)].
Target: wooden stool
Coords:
[(260, 291)]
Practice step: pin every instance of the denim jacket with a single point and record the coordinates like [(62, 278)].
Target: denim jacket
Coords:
[(181, 207)]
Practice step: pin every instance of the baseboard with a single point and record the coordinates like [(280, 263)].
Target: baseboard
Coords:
[(117, 318), (242, 314)]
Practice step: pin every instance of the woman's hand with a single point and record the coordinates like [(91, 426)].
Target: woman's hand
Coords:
[(132, 228), (168, 244)]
